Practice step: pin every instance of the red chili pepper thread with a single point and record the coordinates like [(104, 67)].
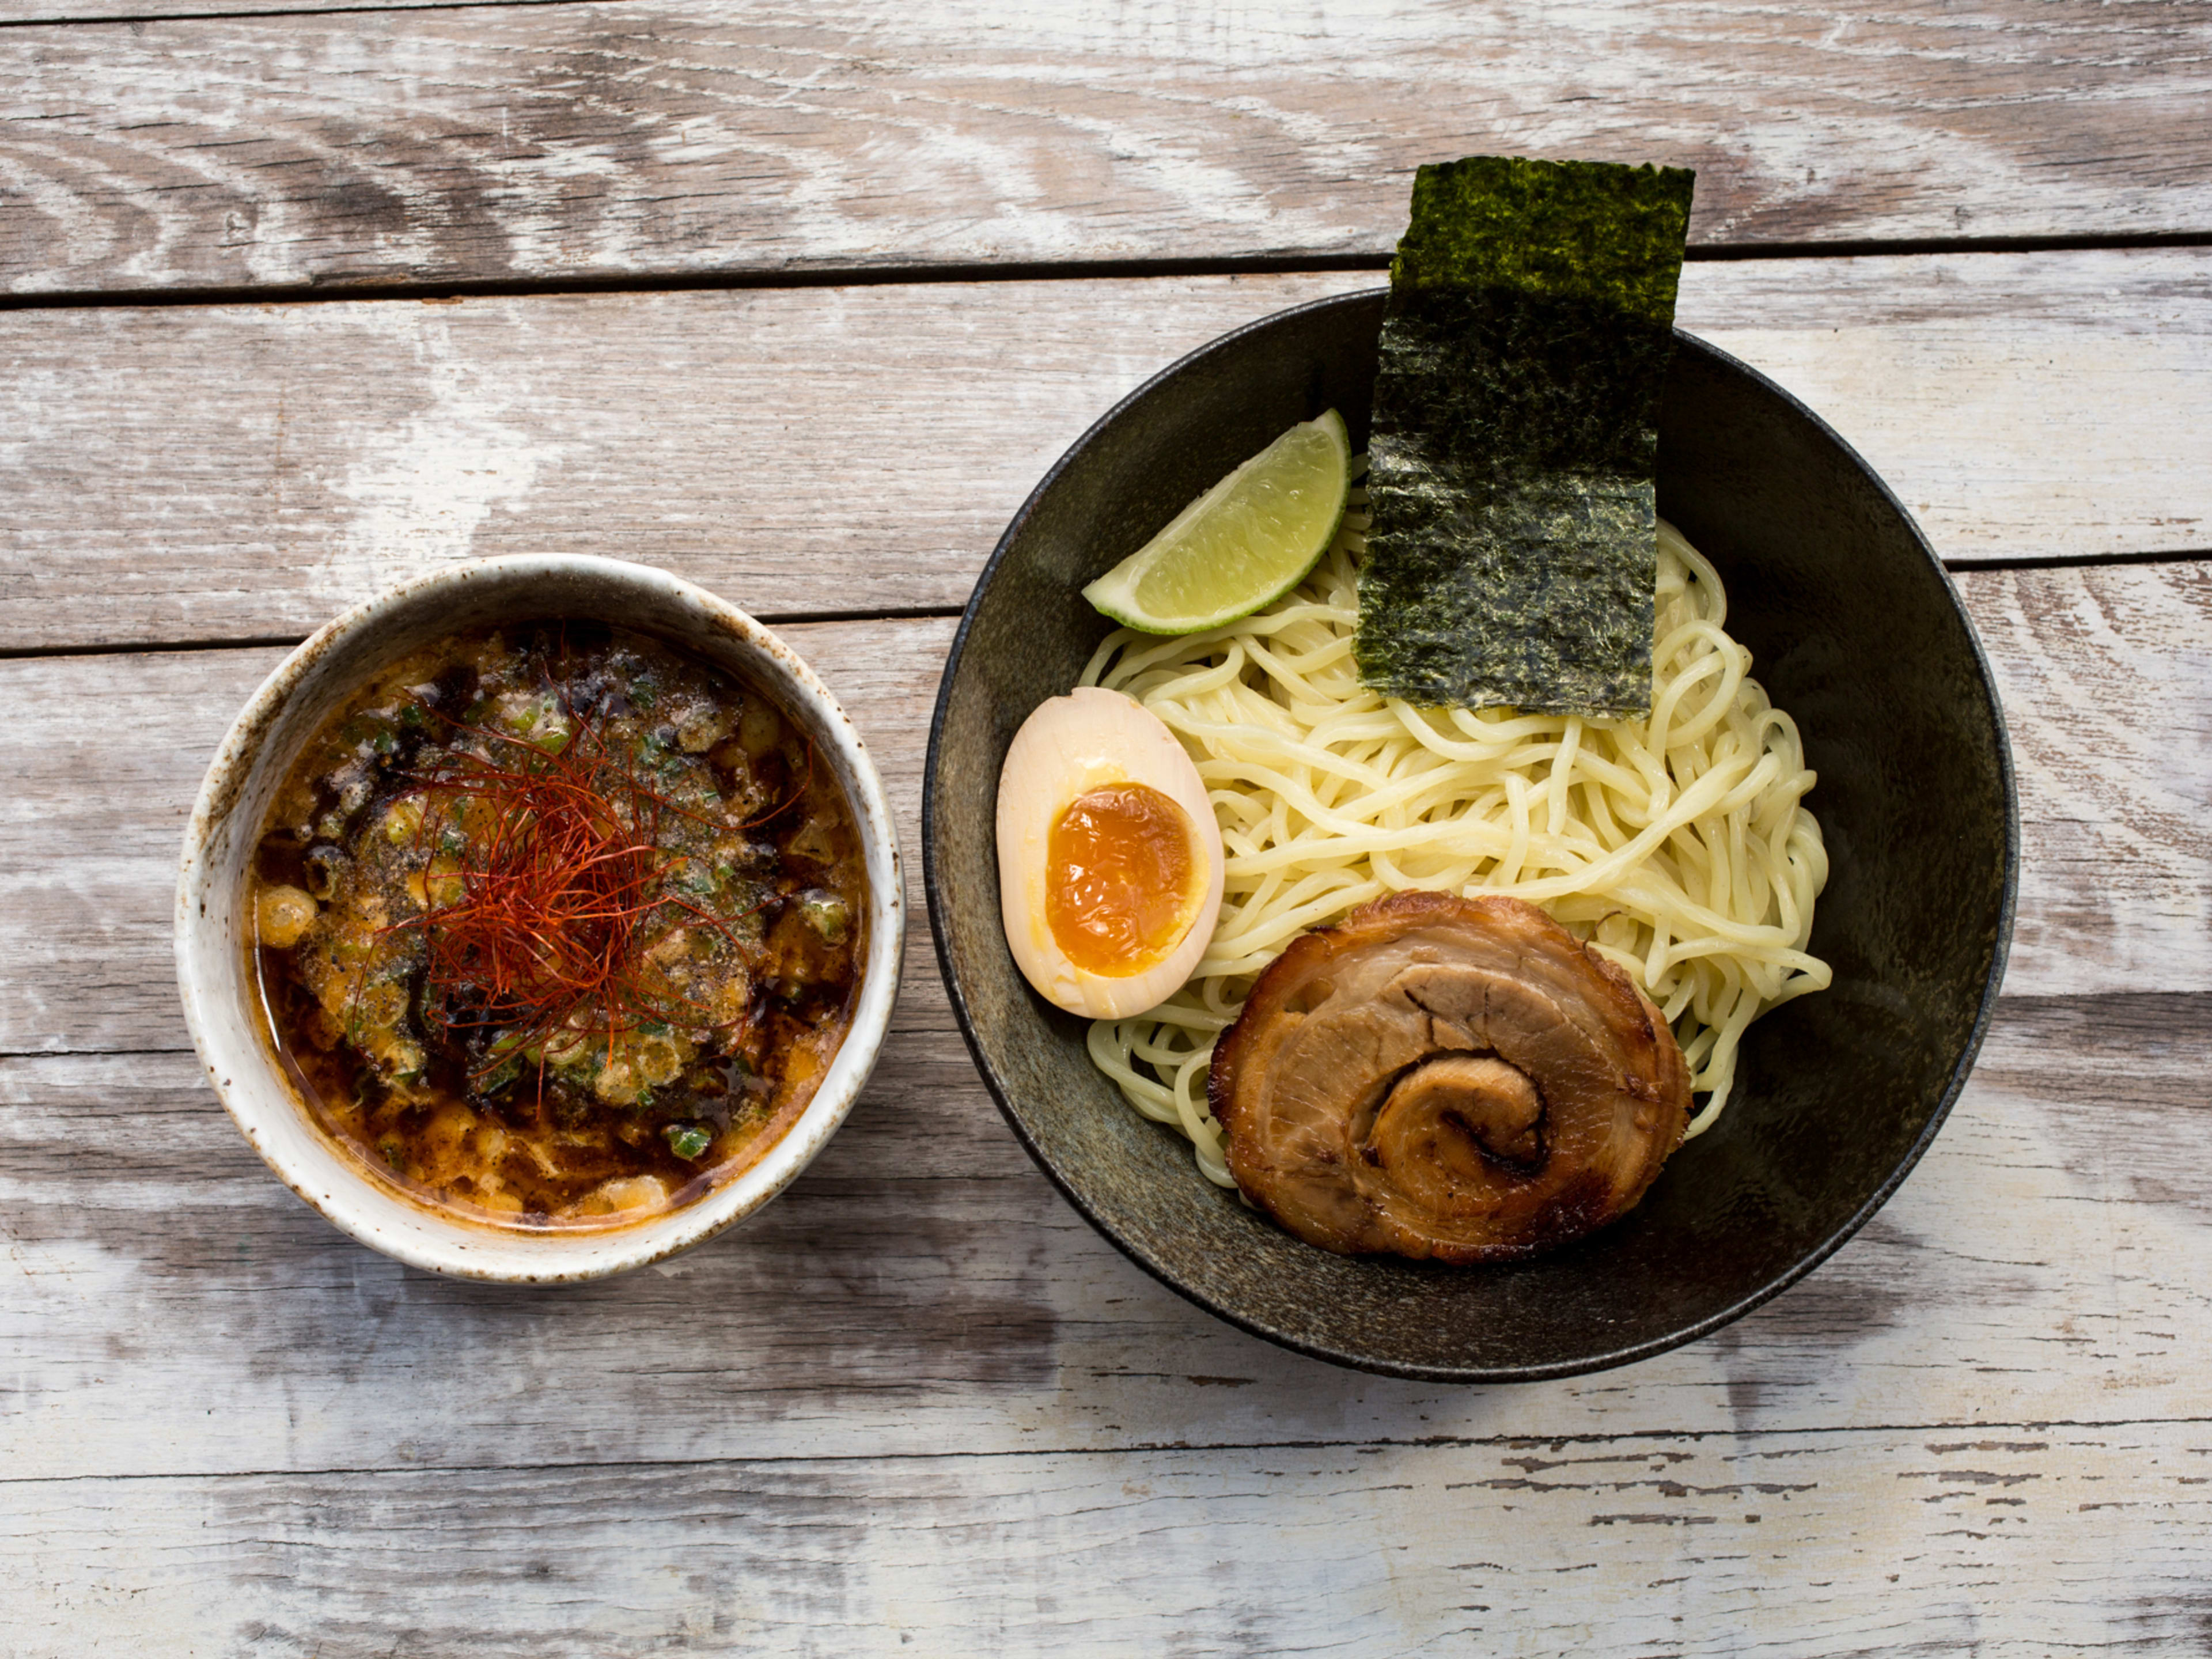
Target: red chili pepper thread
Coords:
[(561, 895)]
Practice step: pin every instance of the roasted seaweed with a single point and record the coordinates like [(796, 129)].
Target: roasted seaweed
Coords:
[(1512, 551)]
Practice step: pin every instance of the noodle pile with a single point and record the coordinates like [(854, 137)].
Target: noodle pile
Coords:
[(1676, 847)]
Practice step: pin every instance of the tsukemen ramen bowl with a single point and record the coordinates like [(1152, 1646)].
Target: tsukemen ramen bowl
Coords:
[(214, 912), (1855, 630)]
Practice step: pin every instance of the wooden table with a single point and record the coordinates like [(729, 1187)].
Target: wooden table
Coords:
[(798, 301)]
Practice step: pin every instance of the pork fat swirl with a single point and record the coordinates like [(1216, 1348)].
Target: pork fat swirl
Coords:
[(1447, 1078)]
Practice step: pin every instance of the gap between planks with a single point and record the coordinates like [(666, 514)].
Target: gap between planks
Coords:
[(773, 618), (1630, 1437), (121, 12), (615, 140), (925, 613), (1072, 270)]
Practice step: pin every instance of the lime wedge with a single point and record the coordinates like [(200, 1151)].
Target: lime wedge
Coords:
[(1250, 538)]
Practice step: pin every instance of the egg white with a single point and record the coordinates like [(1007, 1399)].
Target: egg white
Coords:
[(1068, 746)]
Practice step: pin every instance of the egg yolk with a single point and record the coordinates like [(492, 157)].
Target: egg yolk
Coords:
[(1119, 876)]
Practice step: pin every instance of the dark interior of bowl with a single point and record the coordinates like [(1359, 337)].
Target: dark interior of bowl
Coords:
[(1854, 630)]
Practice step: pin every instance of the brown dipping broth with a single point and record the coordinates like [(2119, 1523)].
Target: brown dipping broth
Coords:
[(743, 974)]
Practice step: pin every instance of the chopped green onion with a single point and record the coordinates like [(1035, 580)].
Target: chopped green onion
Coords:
[(825, 913), (689, 1141)]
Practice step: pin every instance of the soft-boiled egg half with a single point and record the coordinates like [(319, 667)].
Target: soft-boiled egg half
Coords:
[(1109, 859)]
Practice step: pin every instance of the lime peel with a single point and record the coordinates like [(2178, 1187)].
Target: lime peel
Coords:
[(1248, 540)]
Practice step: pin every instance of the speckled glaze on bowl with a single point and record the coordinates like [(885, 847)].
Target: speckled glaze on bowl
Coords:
[(217, 982), (1855, 629)]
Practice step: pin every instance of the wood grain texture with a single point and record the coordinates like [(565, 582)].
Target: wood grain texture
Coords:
[(2115, 885), (2021, 1543), (98, 11), (2105, 676), (918, 1405), (168, 1308), (226, 472), (666, 139)]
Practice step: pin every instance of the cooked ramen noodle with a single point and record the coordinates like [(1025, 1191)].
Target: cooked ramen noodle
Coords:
[(1677, 847)]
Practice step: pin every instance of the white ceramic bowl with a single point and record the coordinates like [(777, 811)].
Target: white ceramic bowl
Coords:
[(216, 977)]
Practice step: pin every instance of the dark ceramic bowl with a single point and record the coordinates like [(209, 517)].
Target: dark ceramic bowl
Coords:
[(1854, 628)]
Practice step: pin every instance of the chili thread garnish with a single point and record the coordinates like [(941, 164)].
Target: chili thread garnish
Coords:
[(542, 930)]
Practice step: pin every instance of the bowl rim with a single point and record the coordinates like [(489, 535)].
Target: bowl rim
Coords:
[(939, 904), (446, 1244)]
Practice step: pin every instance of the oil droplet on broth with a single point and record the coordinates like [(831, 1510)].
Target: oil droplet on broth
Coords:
[(1120, 878)]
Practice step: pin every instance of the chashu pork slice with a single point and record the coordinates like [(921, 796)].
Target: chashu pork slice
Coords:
[(1447, 1078)]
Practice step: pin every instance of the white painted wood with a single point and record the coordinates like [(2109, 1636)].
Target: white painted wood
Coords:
[(2022, 405), (920, 1406), (168, 1308), (226, 472), (687, 136), (798, 451), (98, 11), (2106, 676), (2011, 1542)]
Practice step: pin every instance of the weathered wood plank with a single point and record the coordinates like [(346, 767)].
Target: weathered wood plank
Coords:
[(169, 1308), (2107, 680), (226, 472), (2018, 405), (2115, 888), (683, 136), (2016, 1542), (97, 11)]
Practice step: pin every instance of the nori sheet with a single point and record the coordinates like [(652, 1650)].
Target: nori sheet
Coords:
[(1513, 548)]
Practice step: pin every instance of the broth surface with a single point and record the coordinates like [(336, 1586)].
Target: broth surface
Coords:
[(557, 927)]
